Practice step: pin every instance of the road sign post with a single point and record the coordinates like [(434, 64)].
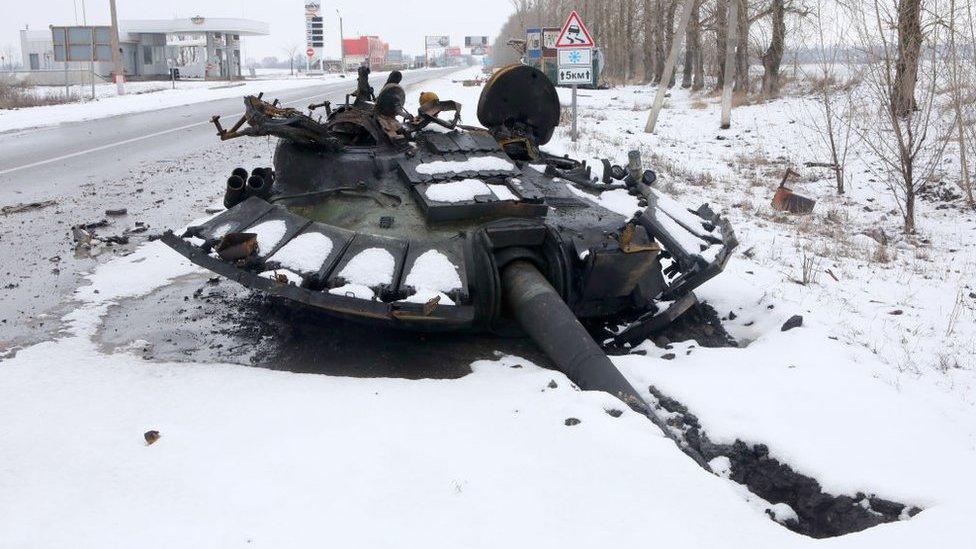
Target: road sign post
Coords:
[(574, 47)]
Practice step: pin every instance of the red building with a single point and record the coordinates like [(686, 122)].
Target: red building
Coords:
[(365, 49)]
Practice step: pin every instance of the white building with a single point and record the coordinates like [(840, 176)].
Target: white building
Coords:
[(199, 47)]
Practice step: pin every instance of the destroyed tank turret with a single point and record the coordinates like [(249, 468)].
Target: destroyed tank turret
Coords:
[(417, 222)]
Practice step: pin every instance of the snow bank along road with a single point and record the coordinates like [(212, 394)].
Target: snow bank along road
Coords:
[(90, 166)]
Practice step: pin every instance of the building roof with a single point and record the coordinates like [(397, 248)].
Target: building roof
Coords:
[(230, 25)]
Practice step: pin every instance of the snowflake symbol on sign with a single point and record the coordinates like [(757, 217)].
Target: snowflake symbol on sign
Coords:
[(575, 57)]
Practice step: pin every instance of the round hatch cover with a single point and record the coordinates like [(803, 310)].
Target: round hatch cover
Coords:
[(520, 97)]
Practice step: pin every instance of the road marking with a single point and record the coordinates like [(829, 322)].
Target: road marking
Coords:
[(135, 139)]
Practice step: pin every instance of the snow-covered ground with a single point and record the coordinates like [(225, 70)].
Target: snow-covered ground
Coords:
[(147, 96), (873, 394)]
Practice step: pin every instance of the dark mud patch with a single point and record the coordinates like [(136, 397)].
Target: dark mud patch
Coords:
[(213, 320), (819, 514)]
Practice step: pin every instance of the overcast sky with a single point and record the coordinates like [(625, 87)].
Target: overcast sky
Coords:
[(402, 23)]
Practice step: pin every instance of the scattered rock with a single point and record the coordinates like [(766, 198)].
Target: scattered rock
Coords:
[(116, 212), (553, 384), (896, 312), (570, 421), (668, 356), (794, 321), (615, 412), (151, 437)]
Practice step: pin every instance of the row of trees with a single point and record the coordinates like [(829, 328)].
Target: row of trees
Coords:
[(897, 76), (636, 36)]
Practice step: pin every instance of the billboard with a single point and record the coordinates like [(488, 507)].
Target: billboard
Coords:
[(82, 43), (453, 52), (475, 41), (438, 41), (394, 56), (314, 32), (313, 26)]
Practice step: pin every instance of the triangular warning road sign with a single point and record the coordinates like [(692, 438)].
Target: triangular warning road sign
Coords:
[(574, 33)]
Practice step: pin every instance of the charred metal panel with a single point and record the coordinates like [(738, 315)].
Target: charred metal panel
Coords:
[(362, 242), (339, 239), (453, 250), (452, 142), (232, 220), (293, 225), (408, 167), (487, 206)]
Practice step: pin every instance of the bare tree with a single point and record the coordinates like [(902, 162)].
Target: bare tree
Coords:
[(835, 81), (291, 50), (958, 88), (908, 145)]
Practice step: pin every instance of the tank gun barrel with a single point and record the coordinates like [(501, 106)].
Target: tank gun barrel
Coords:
[(541, 312)]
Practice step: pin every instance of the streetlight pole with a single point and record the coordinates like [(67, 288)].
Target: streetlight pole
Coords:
[(342, 46), (116, 50)]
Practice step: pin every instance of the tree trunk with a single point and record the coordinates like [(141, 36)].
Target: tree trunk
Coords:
[(629, 32), (742, 49), (649, 44), (909, 207), (669, 33), (909, 46), (663, 40), (698, 83), (692, 45), (773, 56), (721, 38)]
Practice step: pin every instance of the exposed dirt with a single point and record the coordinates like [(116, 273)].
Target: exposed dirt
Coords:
[(820, 514)]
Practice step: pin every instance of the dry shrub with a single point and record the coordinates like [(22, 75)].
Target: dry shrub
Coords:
[(699, 105), (16, 94), (881, 255)]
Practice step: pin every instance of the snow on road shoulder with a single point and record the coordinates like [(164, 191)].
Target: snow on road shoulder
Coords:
[(148, 267), (148, 96)]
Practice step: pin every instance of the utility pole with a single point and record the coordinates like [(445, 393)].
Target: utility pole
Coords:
[(342, 46), (116, 50), (91, 52)]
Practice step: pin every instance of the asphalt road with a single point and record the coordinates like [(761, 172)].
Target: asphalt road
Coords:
[(148, 163)]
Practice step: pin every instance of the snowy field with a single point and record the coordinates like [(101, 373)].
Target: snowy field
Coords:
[(873, 394)]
